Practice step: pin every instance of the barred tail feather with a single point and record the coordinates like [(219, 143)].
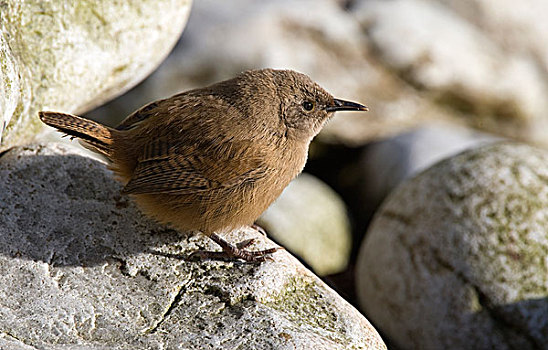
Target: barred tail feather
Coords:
[(97, 136)]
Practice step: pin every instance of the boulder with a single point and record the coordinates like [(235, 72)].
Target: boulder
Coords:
[(383, 165), (484, 59), (73, 57), (456, 257), (82, 268), (310, 220)]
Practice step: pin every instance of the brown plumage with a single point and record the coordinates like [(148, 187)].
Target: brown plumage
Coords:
[(213, 159)]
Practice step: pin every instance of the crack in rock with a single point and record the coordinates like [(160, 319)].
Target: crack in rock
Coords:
[(8, 334), (500, 320), (172, 305), (4, 152)]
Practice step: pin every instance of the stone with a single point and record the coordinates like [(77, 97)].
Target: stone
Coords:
[(456, 257), (310, 220), (74, 57), (81, 268), (484, 59), (224, 38), (383, 165), (523, 29)]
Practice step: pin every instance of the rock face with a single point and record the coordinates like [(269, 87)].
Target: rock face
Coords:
[(310, 220), (385, 164), (456, 257), (82, 268), (482, 58), (74, 57)]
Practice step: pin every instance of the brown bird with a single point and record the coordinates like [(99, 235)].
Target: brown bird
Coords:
[(213, 159)]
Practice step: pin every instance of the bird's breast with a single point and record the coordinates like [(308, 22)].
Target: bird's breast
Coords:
[(285, 165)]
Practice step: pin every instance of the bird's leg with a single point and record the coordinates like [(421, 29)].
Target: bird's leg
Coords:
[(235, 251)]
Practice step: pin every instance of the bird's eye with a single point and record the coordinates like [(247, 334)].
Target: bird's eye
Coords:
[(308, 106)]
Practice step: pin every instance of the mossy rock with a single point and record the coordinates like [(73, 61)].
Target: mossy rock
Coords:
[(74, 55), (457, 256)]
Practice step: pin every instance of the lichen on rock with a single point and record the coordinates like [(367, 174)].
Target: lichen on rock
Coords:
[(72, 56), (456, 256)]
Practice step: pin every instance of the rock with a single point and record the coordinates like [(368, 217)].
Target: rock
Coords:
[(523, 29), (385, 164), (456, 257), (224, 38), (481, 58), (75, 57), (7, 342), (90, 271), (310, 220)]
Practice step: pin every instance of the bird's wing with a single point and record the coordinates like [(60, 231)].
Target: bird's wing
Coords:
[(185, 168), (140, 115)]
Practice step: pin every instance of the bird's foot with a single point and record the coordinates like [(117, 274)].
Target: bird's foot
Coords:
[(245, 243), (234, 252), (259, 229)]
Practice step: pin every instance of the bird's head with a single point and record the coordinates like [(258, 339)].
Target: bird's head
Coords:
[(281, 102), (304, 105)]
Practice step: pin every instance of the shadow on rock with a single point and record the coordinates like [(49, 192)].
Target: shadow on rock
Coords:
[(522, 324), (67, 210)]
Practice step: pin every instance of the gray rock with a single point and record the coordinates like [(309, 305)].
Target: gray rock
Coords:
[(385, 164), (81, 268), (75, 56), (456, 257), (482, 58), (310, 220), (316, 37), (522, 30)]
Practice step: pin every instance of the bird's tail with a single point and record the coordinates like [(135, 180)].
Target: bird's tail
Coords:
[(97, 136)]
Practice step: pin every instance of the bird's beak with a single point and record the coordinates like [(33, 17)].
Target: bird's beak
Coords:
[(341, 105)]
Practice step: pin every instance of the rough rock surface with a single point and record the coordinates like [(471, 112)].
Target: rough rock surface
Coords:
[(457, 257), (73, 56), (485, 59), (310, 219), (316, 37), (82, 269), (385, 164)]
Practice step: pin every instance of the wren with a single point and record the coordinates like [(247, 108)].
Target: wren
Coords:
[(213, 159)]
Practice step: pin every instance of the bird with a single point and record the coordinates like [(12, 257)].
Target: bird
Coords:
[(212, 159)]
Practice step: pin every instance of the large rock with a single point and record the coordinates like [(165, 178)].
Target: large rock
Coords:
[(456, 257), (524, 29), (485, 59), (310, 220), (225, 37), (82, 268), (385, 164), (73, 56)]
